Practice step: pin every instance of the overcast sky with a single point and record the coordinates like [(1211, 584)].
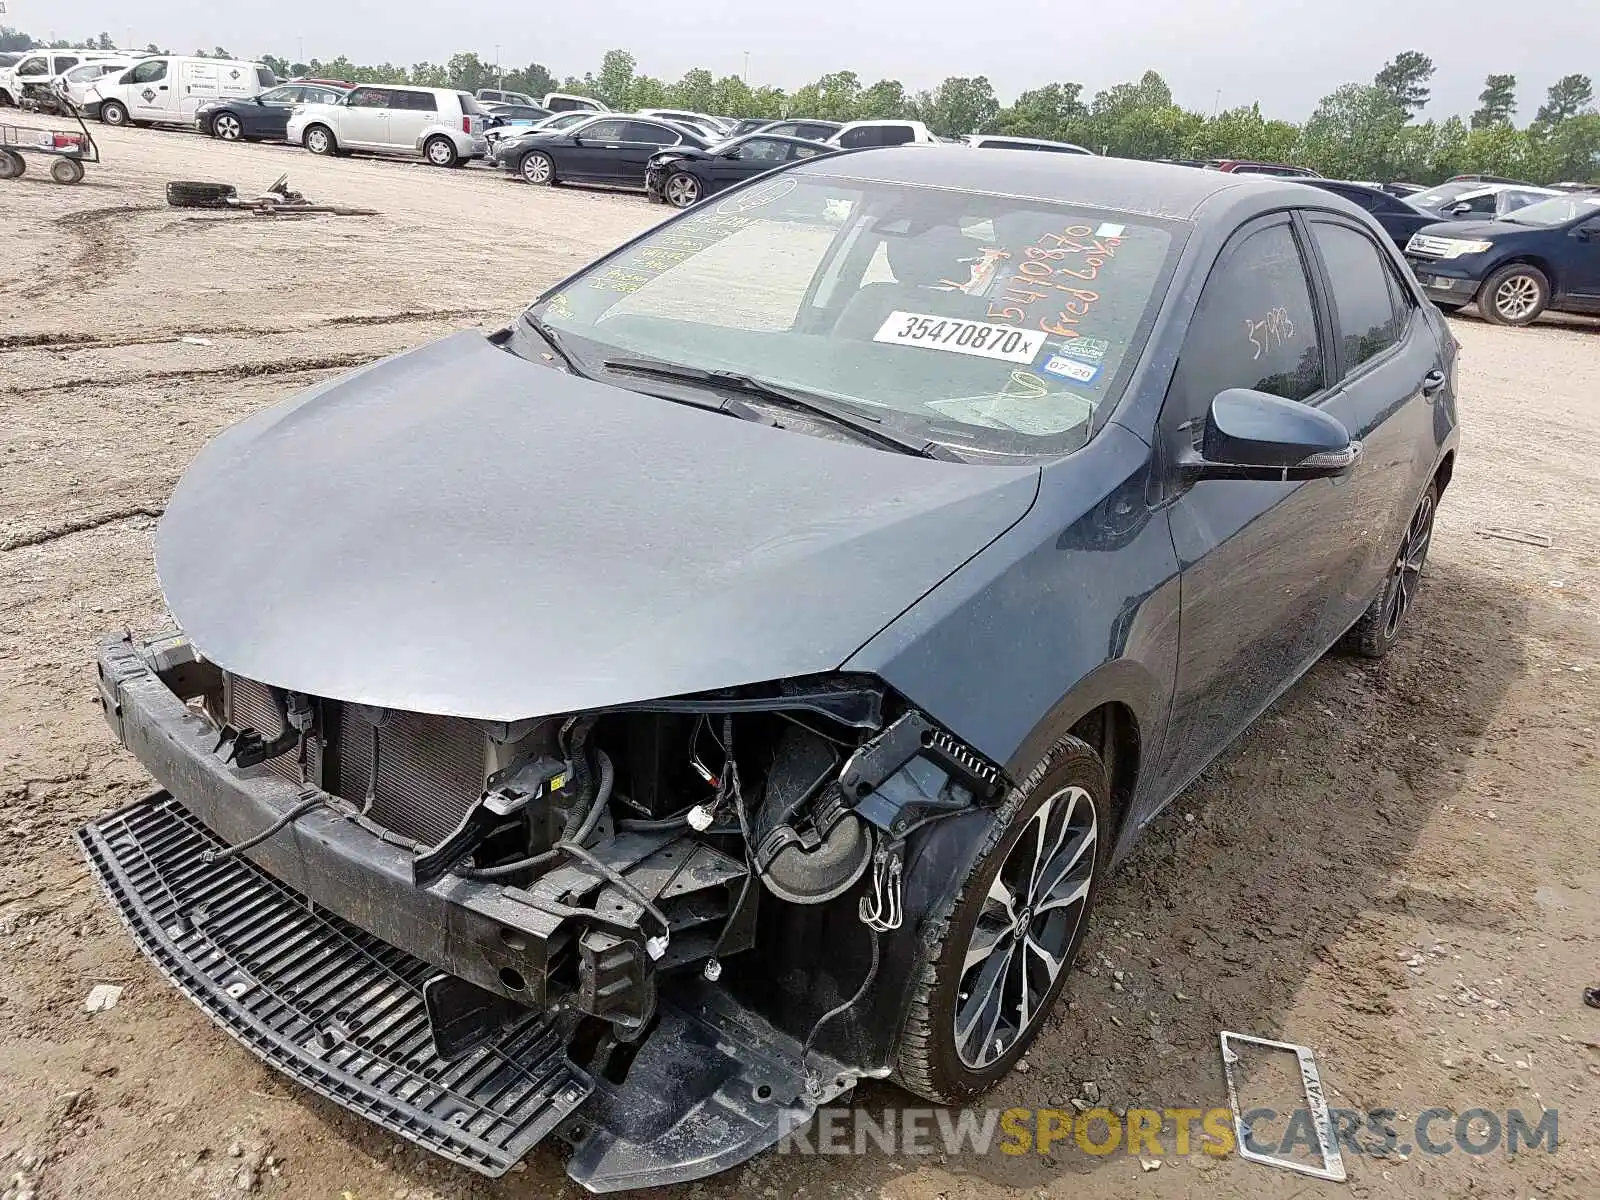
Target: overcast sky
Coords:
[(1285, 53)]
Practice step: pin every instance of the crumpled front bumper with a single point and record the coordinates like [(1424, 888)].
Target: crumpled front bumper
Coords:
[(314, 949)]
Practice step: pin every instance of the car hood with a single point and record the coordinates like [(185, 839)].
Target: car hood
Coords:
[(1472, 231), (458, 530)]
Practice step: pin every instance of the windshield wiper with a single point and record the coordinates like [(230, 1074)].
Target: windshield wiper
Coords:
[(865, 424), (552, 339)]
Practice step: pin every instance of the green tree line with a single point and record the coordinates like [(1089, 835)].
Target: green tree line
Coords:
[(1372, 130)]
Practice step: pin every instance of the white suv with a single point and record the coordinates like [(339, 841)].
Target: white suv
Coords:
[(445, 127), (859, 134)]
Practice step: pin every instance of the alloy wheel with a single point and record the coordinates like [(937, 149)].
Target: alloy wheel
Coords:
[(536, 169), (682, 190), (1407, 570), (1517, 297), (227, 127), (1029, 920)]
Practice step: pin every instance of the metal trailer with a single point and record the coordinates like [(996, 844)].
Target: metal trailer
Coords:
[(69, 149)]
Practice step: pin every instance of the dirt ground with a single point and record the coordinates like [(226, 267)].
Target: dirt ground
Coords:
[(1399, 866)]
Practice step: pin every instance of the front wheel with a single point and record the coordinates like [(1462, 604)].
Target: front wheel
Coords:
[(999, 953), (682, 189), (539, 168), (227, 127), (1514, 295), (319, 140), (1376, 633), (113, 112), (441, 152)]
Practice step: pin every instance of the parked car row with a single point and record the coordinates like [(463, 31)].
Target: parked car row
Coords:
[(1516, 249)]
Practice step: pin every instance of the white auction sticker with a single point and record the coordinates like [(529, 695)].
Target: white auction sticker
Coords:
[(985, 339)]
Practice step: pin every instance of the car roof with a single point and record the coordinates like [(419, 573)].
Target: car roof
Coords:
[(1129, 185), (1022, 141)]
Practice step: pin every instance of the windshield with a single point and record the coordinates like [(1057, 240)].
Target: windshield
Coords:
[(1002, 323), (1558, 210), (1444, 193)]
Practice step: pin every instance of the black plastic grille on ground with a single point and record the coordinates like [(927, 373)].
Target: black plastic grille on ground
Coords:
[(321, 1000)]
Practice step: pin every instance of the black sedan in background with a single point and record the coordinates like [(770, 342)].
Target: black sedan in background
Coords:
[(264, 116), (1399, 218), (683, 174), (608, 149)]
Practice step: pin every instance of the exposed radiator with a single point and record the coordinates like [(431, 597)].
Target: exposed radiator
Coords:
[(431, 770)]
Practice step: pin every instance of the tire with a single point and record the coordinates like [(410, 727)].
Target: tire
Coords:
[(1378, 630), (227, 127), (682, 189), (185, 194), (114, 112), (66, 170), (319, 139), (1068, 795), (538, 168), (12, 164), (440, 151), (1514, 295)]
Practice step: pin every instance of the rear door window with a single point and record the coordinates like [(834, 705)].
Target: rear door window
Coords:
[(857, 139), (31, 66), (1359, 286), (1254, 327), (416, 101), (895, 135)]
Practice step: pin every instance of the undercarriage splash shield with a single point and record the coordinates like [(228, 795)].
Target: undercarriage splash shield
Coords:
[(322, 1001)]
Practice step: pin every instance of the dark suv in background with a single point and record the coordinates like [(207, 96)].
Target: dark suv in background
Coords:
[(1544, 256)]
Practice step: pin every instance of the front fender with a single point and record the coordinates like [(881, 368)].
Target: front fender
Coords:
[(1075, 606)]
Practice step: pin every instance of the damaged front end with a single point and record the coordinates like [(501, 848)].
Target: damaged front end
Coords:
[(665, 932)]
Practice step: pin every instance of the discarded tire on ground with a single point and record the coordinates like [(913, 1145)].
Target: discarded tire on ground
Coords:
[(182, 194)]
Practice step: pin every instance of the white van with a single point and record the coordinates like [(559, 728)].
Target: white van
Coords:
[(167, 89)]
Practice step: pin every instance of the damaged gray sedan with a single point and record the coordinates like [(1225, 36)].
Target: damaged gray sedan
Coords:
[(736, 678)]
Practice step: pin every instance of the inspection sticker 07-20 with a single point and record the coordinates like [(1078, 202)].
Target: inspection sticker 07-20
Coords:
[(985, 339)]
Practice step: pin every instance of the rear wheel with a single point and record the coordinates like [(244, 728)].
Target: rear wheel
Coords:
[(319, 140), (999, 953), (539, 168), (227, 127), (12, 164), (1376, 633), (1514, 295), (114, 112), (66, 170), (682, 189), (441, 152)]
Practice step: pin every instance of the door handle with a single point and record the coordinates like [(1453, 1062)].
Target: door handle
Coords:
[(1433, 381), (162, 88)]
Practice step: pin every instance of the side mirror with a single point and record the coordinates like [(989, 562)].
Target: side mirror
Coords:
[(1459, 210), (1254, 435), (1586, 233), (733, 154)]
